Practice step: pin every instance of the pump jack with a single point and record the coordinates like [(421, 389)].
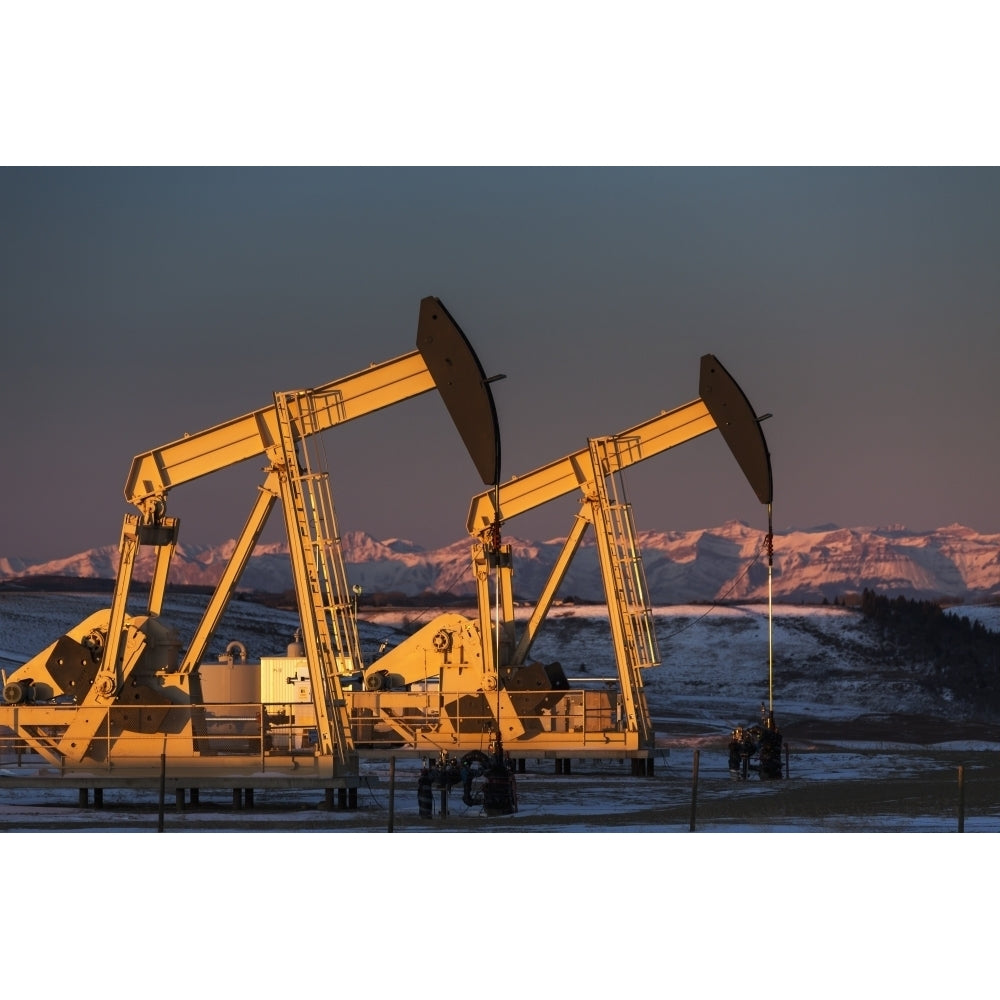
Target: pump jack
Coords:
[(458, 679), (115, 691)]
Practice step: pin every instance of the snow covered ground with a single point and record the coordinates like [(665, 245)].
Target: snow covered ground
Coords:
[(845, 717), (657, 905)]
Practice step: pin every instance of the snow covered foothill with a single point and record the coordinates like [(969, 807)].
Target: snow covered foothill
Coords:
[(718, 663)]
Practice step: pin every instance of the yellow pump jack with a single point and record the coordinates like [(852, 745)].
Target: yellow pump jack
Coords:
[(458, 680), (115, 691)]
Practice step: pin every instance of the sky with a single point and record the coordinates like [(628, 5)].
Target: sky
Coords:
[(144, 298), (858, 306)]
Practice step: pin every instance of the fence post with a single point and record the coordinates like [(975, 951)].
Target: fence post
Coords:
[(163, 785), (961, 798), (694, 788), (392, 792), (262, 726)]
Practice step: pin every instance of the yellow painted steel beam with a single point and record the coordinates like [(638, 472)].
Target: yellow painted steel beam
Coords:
[(155, 472), (652, 437)]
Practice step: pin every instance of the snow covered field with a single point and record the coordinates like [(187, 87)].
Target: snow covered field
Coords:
[(749, 903), (848, 722)]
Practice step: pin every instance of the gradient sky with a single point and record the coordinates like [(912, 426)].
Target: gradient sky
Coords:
[(860, 307)]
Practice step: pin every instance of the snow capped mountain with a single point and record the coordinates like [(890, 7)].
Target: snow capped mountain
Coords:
[(728, 562)]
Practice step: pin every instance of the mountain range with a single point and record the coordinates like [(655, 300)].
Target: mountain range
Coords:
[(728, 562)]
